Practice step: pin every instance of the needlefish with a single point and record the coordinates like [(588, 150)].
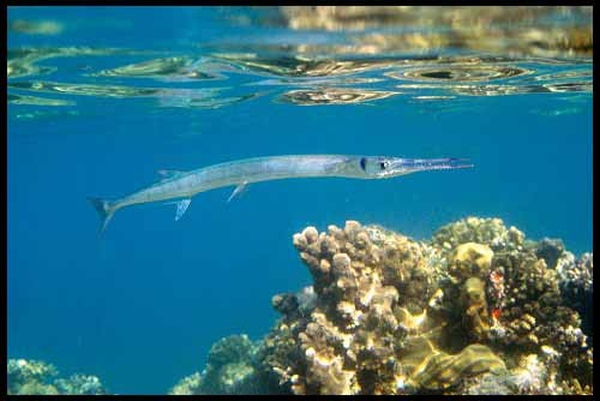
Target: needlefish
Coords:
[(182, 185)]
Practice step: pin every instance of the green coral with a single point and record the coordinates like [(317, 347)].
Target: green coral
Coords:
[(41, 378), (229, 370), (30, 377), (36, 388)]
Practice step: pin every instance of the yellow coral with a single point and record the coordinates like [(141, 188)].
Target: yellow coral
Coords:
[(475, 304), (441, 370), (471, 259)]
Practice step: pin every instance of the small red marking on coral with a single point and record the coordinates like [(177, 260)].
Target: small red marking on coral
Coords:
[(496, 313), (495, 276)]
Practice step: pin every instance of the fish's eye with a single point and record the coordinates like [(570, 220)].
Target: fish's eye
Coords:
[(384, 164), (363, 163)]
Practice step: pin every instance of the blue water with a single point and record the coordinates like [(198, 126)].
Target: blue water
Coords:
[(141, 306)]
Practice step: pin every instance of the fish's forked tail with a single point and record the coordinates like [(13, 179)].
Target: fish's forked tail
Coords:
[(105, 211)]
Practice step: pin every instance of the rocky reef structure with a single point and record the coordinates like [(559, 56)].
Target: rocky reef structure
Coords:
[(230, 369), (40, 378), (477, 310)]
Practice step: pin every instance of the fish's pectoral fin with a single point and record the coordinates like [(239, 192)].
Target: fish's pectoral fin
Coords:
[(166, 174), (182, 206), (239, 189)]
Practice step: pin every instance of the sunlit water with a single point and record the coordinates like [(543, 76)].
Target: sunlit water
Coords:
[(101, 98)]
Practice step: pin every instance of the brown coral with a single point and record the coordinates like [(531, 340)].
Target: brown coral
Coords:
[(380, 321), (390, 315)]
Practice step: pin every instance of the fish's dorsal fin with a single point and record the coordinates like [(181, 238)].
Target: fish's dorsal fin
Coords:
[(239, 189), (182, 206), (166, 174)]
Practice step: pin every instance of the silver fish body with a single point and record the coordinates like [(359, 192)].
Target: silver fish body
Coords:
[(240, 173)]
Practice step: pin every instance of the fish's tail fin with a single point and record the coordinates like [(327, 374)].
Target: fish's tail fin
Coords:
[(105, 210)]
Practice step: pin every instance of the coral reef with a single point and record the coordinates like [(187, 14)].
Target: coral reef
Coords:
[(188, 385), (80, 384), (576, 283), (40, 378), (229, 370), (477, 310), (29, 377)]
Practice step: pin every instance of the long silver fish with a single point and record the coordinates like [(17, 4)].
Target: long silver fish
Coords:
[(183, 185)]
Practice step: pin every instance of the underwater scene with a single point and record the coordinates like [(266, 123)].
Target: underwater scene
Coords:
[(299, 200)]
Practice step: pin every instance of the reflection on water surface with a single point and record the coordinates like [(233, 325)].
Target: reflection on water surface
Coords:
[(325, 55)]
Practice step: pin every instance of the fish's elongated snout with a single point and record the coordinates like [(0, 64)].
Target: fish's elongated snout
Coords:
[(406, 166)]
